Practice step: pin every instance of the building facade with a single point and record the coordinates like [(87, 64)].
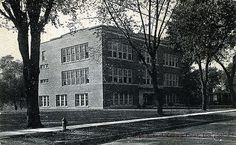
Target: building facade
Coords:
[(96, 68)]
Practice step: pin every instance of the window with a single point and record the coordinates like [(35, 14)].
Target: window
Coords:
[(171, 98), (68, 54), (130, 57), (116, 99), (68, 77), (81, 99), (86, 50), (61, 100), (125, 51), (130, 99), (147, 78), (115, 75), (129, 76), (122, 98), (125, 75), (77, 52), (120, 51), (43, 101), (63, 55), (78, 76), (170, 60), (73, 53), (114, 49), (171, 80), (43, 81), (64, 82), (82, 52), (147, 58), (43, 55), (43, 66), (121, 75), (73, 77), (86, 75), (125, 98)]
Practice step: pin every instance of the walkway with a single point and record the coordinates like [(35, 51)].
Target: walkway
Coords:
[(56, 129)]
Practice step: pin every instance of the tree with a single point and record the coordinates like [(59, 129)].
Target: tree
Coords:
[(215, 78), (11, 81), (148, 17), (201, 29), (230, 74), (29, 18), (191, 85)]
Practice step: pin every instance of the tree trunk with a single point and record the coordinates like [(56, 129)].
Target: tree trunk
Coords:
[(204, 84), (204, 96), (157, 96), (30, 78), (32, 105), (232, 93)]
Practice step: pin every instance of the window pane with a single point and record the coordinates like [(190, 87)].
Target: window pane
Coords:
[(87, 75), (121, 98), (77, 100), (82, 99), (57, 100), (68, 54), (82, 52), (40, 101), (126, 98), (77, 52), (130, 99), (86, 98), (86, 50), (65, 100), (47, 100), (73, 53), (77, 77), (73, 77), (116, 99), (62, 100)]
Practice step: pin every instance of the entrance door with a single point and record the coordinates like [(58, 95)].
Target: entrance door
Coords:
[(148, 99)]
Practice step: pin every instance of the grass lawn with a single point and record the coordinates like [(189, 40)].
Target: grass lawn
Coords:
[(17, 120), (95, 135)]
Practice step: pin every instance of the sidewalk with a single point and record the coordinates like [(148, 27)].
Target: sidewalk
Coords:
[(83, 126)]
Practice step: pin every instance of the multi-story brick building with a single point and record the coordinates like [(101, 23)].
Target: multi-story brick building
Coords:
[(96, 68)]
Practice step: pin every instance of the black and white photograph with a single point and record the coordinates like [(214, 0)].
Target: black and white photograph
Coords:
[(118, 72)]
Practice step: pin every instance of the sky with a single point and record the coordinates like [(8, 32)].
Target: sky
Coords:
[(9, 45), (8, 38)]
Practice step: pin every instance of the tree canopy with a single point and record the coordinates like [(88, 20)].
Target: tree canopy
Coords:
[(202, 29), (11, 82)]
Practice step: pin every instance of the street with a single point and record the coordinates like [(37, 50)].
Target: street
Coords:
[(218, 133)]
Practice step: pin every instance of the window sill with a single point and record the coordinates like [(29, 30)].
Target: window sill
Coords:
[(171, 66), (64, 63), (76, 85), (115, 58)]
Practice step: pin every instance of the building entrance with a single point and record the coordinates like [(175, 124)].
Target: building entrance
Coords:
[(148, 99)]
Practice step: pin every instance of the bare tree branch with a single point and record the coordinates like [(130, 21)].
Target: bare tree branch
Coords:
[(157, 20), (143, 25), (5, 15), (128, 37), (10, 15), (45, 18), (149, 24)]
